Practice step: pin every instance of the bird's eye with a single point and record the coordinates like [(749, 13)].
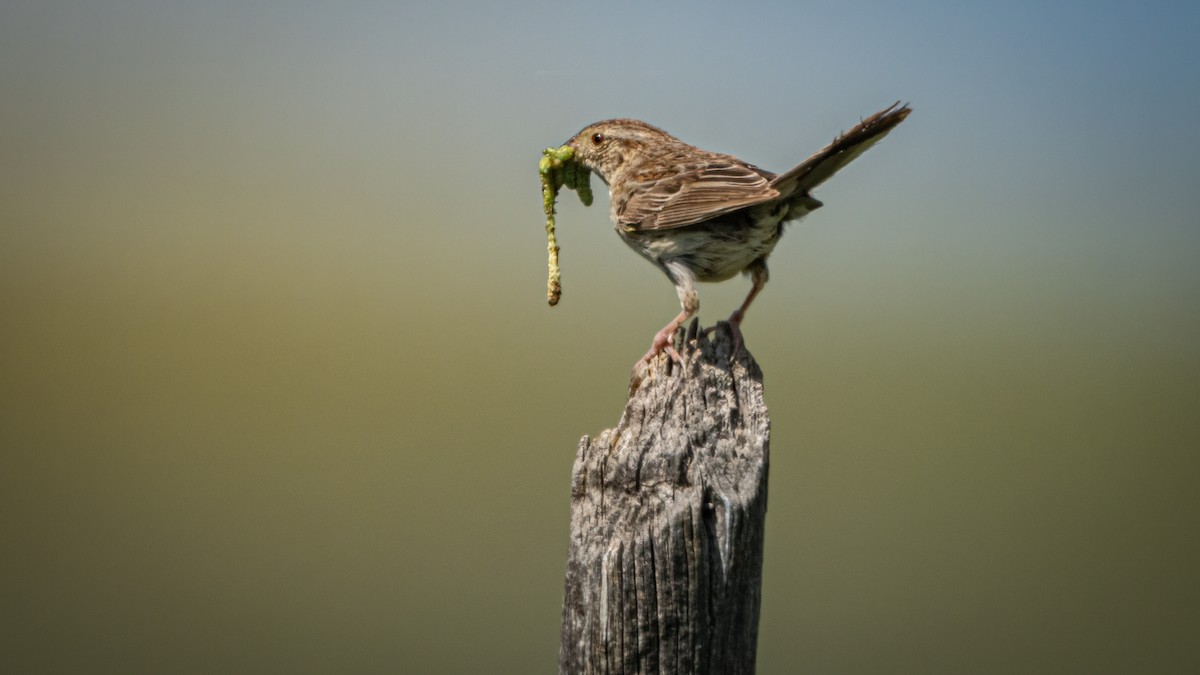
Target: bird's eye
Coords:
[(597, 138)]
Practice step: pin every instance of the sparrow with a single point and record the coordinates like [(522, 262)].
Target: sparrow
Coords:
[(706, 216)]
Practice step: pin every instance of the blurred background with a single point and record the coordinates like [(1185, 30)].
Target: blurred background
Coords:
[(280, 392)]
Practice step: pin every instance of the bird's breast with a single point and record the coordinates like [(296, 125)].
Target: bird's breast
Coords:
[(715, 249)]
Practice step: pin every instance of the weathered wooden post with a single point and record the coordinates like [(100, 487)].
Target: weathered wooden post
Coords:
[(664, 573)]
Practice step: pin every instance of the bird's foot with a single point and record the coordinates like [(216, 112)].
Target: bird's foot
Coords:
[(662, 342), (642, 368), (735, 333), (735, 329)]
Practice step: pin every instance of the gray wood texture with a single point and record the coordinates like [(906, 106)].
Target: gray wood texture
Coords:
[(664, 573)]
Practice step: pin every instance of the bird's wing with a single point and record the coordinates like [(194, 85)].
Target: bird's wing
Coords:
[(843, 150), (695, 196)]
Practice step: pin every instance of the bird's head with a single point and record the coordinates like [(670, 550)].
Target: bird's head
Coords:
[(611, 146)]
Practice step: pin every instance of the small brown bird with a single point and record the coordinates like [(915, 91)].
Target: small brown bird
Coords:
[(705, 216)]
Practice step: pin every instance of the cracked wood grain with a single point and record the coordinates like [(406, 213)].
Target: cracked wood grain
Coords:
[(664, 571)]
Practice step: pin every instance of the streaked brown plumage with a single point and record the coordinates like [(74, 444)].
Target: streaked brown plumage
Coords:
[(705, 216)]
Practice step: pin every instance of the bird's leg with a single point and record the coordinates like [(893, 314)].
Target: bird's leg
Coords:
[(685, 286), (758, 279)]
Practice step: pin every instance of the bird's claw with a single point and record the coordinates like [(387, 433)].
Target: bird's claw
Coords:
[(641, 369), (735, 329), (735, 333), (657, 348)]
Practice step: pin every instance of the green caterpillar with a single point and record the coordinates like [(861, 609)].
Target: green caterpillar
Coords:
[(558, 169)]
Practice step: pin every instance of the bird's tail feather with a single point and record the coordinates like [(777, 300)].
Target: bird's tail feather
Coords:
[(843, 150)]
